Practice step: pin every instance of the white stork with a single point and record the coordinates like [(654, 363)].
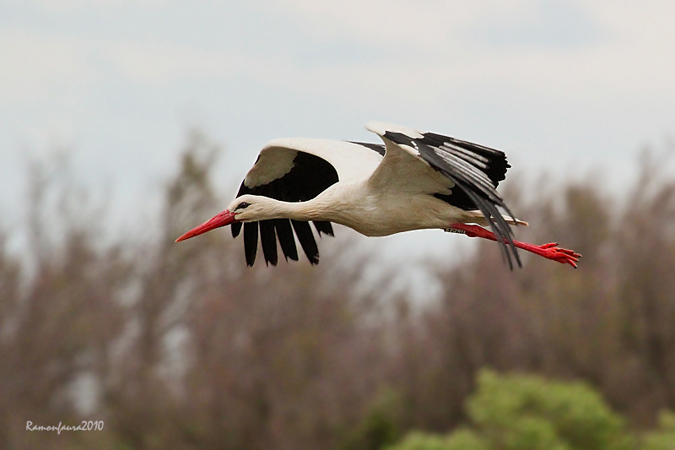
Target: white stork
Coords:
[(414, 181)]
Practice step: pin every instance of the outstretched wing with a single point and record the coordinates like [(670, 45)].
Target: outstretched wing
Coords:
[(297, 170), (476, 170)]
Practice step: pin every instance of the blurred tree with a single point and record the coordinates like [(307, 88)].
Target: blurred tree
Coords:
[(645, 259), (144, 389), (61, 312), (183, 346)]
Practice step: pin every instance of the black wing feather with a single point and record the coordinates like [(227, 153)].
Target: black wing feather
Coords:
[(309, 177), (323, 227), (236, 227), (268, 239), (379, 148), (307, 241), (250, 241), (286, 240), (476, 170)]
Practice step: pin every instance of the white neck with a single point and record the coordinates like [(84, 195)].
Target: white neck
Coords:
[(344, 206), (305, 211), (270, 208)]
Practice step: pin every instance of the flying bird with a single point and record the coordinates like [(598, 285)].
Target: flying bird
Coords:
[(412, 181)]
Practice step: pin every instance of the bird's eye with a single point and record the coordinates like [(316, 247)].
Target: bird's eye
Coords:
[(243, 205)]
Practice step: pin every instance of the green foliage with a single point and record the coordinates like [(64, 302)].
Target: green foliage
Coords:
[(380, 427), (421, 441), (664, 437), (459, 440), (529, 412), (517, 412), (464, 439)]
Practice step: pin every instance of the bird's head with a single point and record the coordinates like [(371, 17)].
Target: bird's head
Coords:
[(242, 209)]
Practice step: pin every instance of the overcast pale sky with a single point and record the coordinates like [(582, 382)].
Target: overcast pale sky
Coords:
[(562, 85)]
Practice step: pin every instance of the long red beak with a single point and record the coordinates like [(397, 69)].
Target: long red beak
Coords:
[(224, 218)]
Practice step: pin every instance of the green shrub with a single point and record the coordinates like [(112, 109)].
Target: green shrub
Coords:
[(664, 437), (459, 440), (529, 412), (464, 439), (379, 426), (524, 412), (421, 441)]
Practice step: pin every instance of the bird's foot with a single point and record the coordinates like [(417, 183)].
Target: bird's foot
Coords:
[(553, 252), (549, 251)]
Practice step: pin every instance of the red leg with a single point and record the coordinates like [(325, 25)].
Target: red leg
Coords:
[(549, 251)]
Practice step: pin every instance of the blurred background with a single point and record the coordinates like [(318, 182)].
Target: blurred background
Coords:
[(124, 124)]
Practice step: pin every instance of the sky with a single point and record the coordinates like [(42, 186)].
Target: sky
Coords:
[(564, 87)]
